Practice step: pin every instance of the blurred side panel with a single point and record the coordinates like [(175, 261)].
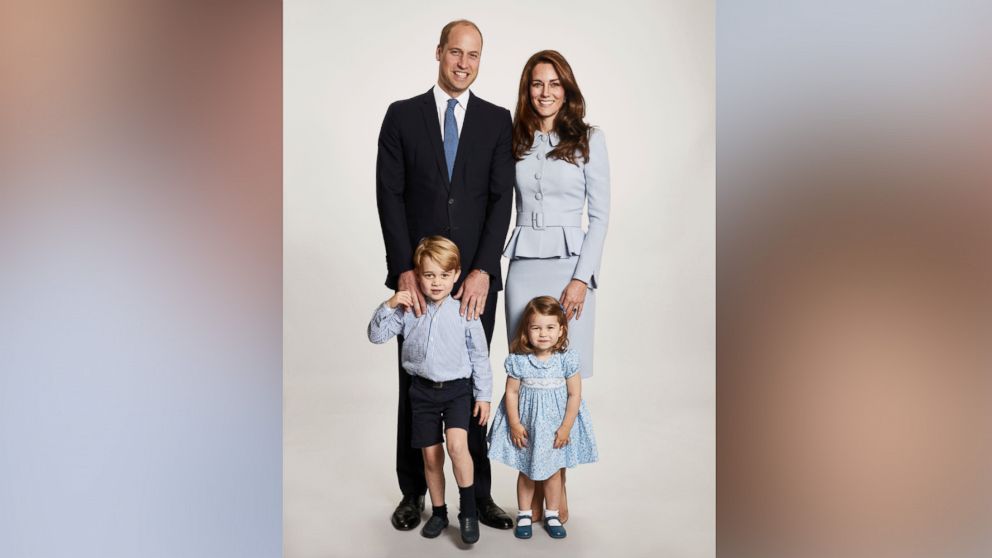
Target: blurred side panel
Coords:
[(140, 278), (854, 308)]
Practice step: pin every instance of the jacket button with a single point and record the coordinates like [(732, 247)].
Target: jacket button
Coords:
[(538, 196), (451, 201)]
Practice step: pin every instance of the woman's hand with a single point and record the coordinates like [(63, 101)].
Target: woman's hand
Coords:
[(562, 437), (518, 435), (573, 298)]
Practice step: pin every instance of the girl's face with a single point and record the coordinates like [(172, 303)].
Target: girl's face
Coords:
[(543, 332)]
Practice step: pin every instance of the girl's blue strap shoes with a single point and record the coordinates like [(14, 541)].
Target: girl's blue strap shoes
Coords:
[(554, 528), (523, 531)]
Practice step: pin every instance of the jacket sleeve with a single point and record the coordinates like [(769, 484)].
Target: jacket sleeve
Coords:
[(597, 175), (390, 186), (501, 176)]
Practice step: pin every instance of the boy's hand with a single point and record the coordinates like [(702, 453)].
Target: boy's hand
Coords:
[(518, 435), (482, 411), (562, 437), (401, 298)]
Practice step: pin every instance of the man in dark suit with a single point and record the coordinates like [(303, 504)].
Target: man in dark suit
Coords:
[(445, 167)]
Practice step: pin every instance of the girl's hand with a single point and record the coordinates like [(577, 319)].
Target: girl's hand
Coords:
[(562, 437), (482, 411), (401, 298), (518, 435), (573, 298)]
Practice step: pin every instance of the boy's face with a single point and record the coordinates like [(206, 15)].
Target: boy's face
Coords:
[(436, 283)]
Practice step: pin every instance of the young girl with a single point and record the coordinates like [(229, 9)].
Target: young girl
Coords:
[(542, 424)]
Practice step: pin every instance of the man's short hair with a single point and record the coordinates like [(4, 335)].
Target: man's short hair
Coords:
[(443, 251), (447, 30)]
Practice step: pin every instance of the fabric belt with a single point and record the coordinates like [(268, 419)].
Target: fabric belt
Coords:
[(540, 220), (440, 385), (543, 383)]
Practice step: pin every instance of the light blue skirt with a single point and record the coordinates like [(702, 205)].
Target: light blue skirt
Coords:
[(528, 278), (541, 412)]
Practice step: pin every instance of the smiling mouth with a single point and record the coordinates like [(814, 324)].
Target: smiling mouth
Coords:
[(461, 75)]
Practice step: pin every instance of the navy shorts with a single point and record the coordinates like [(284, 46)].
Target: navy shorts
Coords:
[(450, 403)]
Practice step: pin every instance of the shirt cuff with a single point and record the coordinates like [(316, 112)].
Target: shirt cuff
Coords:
[(384, 312)]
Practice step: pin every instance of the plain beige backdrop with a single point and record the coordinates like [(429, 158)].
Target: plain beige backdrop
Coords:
[(647, 72)]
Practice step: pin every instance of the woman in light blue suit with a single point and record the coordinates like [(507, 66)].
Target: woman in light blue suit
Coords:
[(562, 167)]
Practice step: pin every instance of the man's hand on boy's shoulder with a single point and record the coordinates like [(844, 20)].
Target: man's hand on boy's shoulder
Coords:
[(482, 411), (407, 281), (473, 294)]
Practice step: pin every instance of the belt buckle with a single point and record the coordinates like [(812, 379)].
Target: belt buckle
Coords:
[(437, 385), (537, 220)]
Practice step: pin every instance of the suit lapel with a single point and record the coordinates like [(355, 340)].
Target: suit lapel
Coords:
[(429, 110)]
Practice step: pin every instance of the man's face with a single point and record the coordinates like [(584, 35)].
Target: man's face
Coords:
[(459, 60), (435, 282)]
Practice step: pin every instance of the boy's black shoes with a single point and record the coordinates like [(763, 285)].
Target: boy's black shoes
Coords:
[(492, 515), (407, 514), (469, 528), (435, 526)]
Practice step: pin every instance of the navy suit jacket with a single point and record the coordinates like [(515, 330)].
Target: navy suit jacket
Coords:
[(416, 199)]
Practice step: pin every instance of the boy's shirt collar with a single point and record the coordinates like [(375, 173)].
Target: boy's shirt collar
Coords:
[(433, 306)]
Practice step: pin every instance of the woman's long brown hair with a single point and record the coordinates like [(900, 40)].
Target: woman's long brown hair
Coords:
[(573, 132)]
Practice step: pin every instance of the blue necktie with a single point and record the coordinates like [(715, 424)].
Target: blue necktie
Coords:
[(450, 136)]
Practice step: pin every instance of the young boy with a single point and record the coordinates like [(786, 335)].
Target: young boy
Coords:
[(445, 353)]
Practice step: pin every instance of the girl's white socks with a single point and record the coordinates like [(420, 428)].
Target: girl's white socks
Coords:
[(524, 518), (551, 518)]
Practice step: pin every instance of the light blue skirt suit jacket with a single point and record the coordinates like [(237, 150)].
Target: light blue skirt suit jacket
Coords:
[(548, 246)]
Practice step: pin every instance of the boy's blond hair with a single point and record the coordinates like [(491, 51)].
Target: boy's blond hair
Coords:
[(443, 251)]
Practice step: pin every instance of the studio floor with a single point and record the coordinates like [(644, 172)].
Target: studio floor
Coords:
[(651, 493)]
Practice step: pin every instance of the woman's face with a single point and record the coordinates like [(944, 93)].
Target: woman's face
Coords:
[(546, 92)]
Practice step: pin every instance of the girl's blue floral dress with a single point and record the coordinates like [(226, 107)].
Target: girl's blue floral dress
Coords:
[(542, 401)]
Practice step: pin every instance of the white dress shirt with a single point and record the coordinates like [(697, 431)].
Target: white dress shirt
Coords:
[(441, 100)]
